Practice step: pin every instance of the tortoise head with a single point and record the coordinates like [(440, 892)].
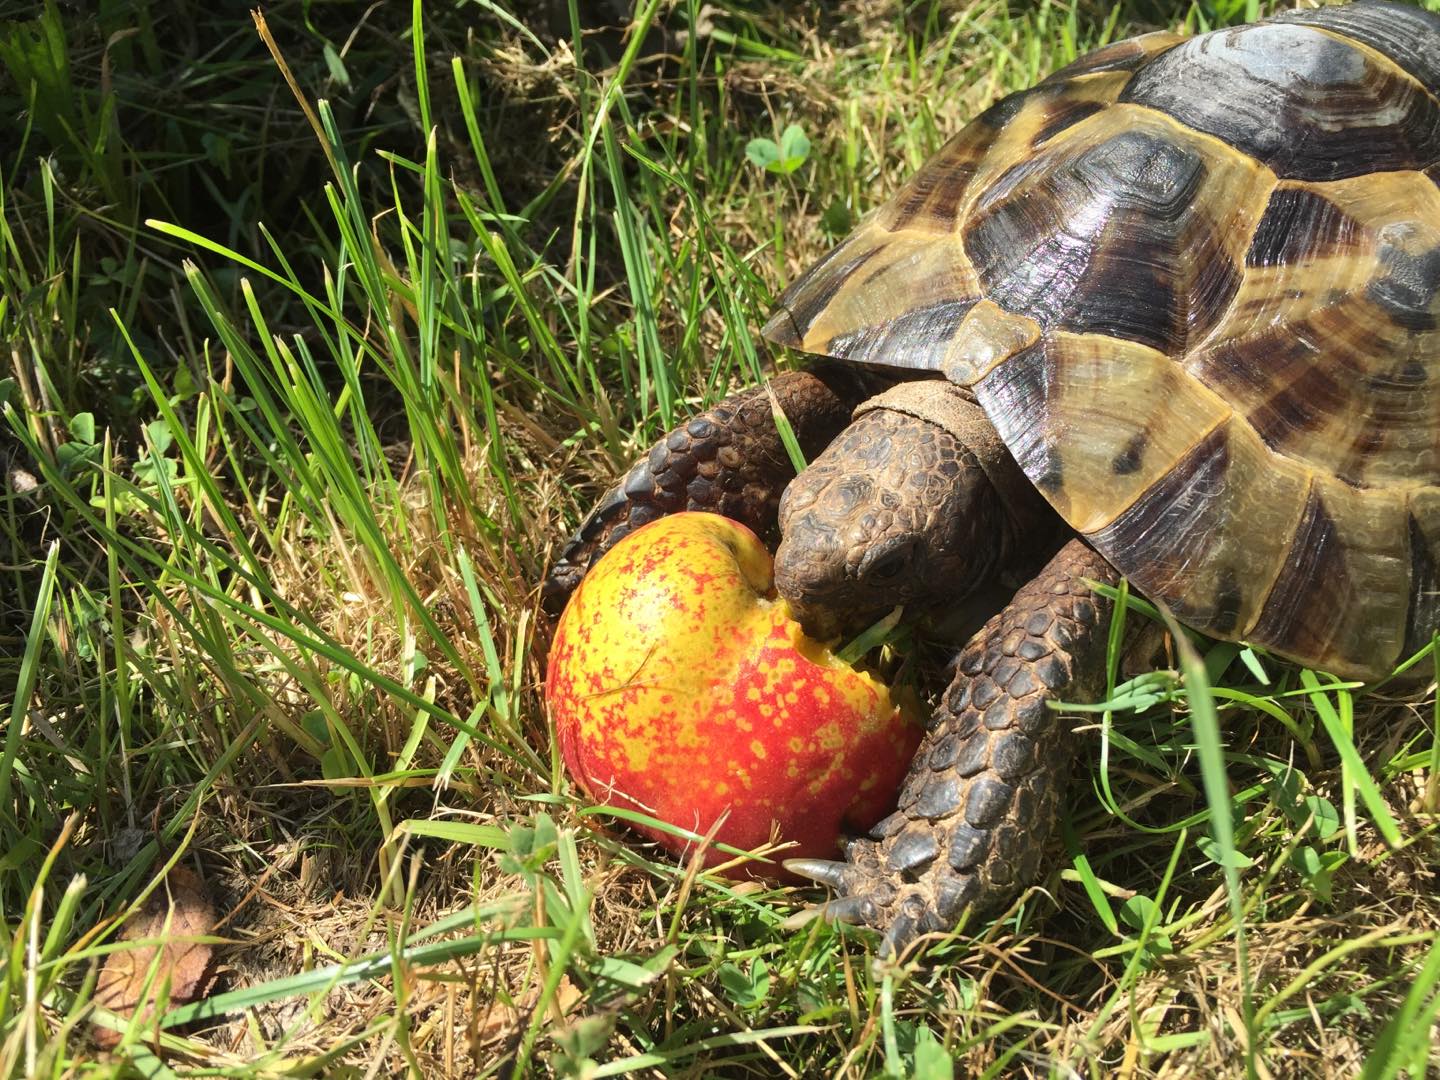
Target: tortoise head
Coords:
[(896, 510)]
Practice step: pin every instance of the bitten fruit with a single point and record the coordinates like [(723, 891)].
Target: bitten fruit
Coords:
[(680, 687)]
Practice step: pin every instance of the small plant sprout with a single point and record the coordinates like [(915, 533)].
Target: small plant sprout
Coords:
[(783, 157)]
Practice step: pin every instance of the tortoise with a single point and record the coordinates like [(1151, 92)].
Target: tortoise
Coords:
[(1173, 313)]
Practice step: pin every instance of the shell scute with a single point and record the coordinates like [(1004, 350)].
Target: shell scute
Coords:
[(880, 297), (856, 303), (1095, 422), (1309, 105), (1340, 598), (1127, 226), (1184, 529), (1330, 352), (1124, 55), (931, 198), (1402, 32)]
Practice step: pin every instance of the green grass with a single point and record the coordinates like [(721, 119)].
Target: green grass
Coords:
[(301, 400)]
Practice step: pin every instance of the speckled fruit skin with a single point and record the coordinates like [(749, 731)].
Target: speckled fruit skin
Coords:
[(679, 687)]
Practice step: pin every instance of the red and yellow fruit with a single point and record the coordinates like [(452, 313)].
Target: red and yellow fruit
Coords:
[(679, 687)]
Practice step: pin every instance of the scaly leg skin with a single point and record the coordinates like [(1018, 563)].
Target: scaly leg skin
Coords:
[(983, 795), (729, 460)]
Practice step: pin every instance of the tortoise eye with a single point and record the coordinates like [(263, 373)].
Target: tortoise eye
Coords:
[(884, 564)]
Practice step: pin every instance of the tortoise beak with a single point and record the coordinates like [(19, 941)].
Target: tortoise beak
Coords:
[(818, 620), (805, 576)]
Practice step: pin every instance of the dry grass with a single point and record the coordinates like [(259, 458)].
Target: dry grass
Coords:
[(306, 657)]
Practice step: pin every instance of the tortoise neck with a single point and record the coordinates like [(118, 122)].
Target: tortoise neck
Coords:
[(1028, 517)]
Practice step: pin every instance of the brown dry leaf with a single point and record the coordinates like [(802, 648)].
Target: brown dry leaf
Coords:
[(501, 1020), (187, 965)]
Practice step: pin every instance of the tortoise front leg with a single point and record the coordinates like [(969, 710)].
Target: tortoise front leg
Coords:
[(983, 795), (729, 460)]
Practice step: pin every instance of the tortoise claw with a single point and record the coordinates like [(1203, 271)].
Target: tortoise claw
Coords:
[(863, 900), (913, 920), (903, 930), (854, 910), (899, 930), (825, 871), (852, 907)]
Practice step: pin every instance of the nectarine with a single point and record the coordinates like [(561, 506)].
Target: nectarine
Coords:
[(679, 686)]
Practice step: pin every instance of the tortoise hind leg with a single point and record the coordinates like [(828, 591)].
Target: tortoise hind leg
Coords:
[(983, 795), (729, 460)]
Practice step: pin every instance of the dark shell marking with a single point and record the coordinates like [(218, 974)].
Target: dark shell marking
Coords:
[(1299, 224), (1423, 526), (1169, 522), (1196, 287), (1115, 230), (1307, 105), (1403, 32)]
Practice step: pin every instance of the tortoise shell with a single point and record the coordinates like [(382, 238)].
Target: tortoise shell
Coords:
[(1195, 284)]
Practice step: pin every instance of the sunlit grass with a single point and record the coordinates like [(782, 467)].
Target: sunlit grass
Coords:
[(277, 501)]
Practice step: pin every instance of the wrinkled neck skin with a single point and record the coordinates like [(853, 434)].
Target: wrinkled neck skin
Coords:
[(897, 510)]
